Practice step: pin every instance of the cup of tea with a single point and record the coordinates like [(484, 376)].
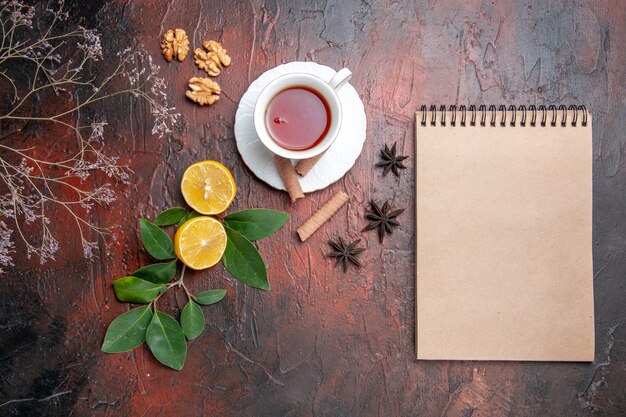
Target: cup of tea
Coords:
[(299, 115)]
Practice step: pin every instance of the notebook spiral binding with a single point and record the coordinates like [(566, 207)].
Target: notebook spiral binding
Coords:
[(509, 115)]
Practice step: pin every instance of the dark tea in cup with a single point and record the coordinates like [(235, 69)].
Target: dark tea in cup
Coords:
[(298, 115), (298, 118)]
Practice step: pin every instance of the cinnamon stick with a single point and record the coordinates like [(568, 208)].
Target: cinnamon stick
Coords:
[(289, 176), (305, 165), (322, 215)]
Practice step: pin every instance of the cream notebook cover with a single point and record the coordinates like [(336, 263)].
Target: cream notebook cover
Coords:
[(504, 245)]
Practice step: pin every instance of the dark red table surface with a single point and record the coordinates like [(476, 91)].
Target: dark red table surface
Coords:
[(324, 343)]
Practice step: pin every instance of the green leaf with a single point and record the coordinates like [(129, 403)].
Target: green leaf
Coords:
[(136, 290), (243, 261), (160, 273), (188, 217), (170, 216), (256, 224), (166, 341), (156, 241), (127, 331), (209, 297), (192, 320)]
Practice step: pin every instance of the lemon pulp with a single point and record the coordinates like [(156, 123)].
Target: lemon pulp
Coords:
[(200, 242)]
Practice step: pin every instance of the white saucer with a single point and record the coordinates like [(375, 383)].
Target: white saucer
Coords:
[(337, 160)]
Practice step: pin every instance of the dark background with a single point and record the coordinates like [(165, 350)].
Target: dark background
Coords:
[(323, 343)]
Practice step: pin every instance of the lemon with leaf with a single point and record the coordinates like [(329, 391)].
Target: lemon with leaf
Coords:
[(200, 242)]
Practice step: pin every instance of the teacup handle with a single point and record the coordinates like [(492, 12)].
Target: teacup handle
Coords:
[(340, 79)]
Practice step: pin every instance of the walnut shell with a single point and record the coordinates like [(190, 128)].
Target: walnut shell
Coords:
[(203, 91), (175, 44)]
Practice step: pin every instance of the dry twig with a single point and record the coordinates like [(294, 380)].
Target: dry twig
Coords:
[(39, 61)]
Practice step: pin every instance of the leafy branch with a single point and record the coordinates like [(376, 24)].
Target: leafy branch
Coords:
[(165, 336)]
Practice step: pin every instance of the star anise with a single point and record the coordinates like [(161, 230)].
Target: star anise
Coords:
[(345, 253), (382, 218), (390, 161)]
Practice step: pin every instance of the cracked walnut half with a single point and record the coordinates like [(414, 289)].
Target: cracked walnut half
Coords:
[(203, 91), (175, 45), (213, 59)]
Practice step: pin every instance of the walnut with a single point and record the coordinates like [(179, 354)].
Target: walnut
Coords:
[(218, 50), (203, 91), (207, 61), (175, 44), (213, 60)]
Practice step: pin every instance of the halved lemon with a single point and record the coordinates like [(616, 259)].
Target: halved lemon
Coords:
[(208, 187), (200, 242)]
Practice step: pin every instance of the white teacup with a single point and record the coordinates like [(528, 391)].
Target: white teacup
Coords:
[(326, 89)]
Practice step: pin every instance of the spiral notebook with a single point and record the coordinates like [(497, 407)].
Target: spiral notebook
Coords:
[(504, 245)]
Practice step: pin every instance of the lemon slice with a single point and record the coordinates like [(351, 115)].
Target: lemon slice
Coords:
[(200, 242), (208, 187)]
